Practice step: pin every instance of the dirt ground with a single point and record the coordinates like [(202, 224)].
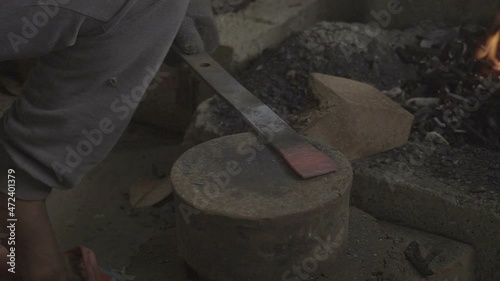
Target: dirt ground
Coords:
[(98, 214)]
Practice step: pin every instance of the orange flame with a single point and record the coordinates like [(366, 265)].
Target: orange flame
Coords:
[(490, 50)]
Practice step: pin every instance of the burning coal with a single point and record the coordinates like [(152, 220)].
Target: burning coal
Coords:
[(458, 70), (489, 51)]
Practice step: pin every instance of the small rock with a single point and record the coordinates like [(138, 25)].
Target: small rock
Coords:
[(436, 138), (478, 189)]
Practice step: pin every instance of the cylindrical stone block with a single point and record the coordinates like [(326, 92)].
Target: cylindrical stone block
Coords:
[(244, 215)]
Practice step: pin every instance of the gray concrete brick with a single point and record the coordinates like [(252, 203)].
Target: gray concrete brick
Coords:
[(264, 24), (395, 191), (242, 214), (377, 252)]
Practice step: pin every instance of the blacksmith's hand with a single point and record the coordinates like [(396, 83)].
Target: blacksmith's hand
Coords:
[(198, 32)]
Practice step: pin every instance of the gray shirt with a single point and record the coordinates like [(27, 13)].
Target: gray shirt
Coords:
[(97, 58), (102, 10)]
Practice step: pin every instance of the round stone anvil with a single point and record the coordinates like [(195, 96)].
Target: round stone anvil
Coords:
[(243, 214)]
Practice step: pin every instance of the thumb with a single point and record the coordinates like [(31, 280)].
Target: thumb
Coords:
[(209, 33), (188, 39)]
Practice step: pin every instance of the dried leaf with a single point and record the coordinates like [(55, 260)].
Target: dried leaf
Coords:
[(148, 193)]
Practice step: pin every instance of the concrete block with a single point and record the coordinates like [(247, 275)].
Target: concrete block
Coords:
[(402, 186), (243, 214), (355, 117), (264, 24), (376, 251)]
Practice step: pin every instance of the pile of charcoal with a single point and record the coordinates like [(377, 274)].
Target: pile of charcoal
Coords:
[(280, 77), (455, 97)]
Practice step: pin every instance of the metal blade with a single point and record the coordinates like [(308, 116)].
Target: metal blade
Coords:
[(305, 159)]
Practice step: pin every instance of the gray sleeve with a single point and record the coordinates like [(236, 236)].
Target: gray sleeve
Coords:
[(28, 32), (33, 31), (80, 98), (26, 187)]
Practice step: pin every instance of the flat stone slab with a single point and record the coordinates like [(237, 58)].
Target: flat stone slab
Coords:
[(450, 192), (243, 214), (264, 24), (377, 252)]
